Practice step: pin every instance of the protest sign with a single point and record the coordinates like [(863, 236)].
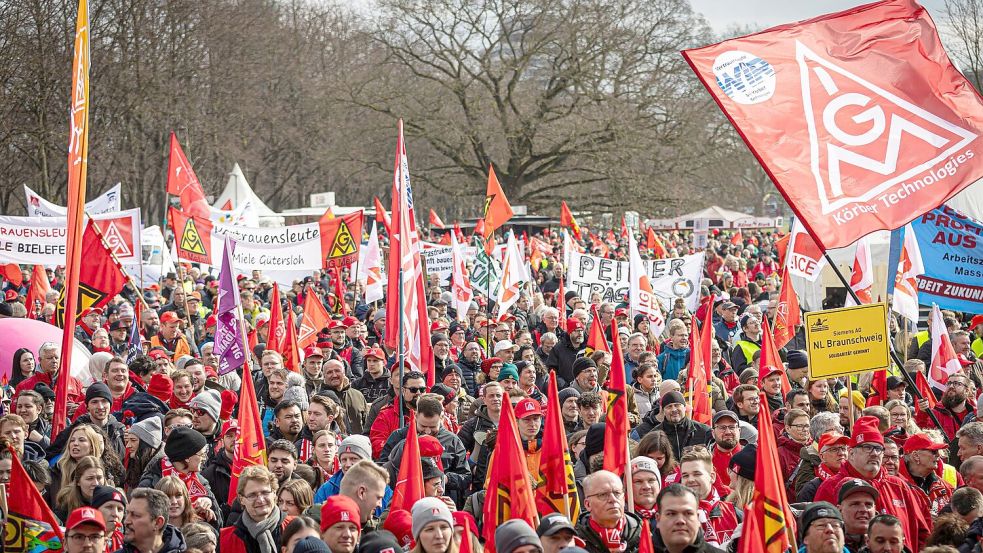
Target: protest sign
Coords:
[(951, 246), (108, 202), (42, 240), (849, 340), (676, 277)]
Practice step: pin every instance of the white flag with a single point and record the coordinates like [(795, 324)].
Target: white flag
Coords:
[(460, 283), (944, 360), (513, 272), (862, 277), (804, 257), (370, 268), (641, 297), (905, 299)]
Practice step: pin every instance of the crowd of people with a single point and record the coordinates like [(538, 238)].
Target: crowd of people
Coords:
[(146, 459)]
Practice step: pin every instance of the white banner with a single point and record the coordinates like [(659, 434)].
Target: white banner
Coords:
[(108, 202), (676, 277), (42, 240), (438, 258)]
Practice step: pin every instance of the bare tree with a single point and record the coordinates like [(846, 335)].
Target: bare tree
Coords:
[(963, 27)]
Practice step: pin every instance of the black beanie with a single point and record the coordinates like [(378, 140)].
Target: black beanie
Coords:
[(594, 441), (744, 461), (569, 295), (568, 393), (97, 390), (672, 397), (581, 364), (183, 442)]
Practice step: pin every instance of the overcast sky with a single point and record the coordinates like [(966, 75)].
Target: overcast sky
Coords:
[(768, 13)]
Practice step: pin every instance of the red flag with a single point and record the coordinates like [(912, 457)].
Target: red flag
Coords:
[(596, 340), (479, 228), (561, 305), (409, 482), (250, 445), (879, 387), (466, 546), (772, 518), (624, 229), (645, 542), (38, 290), (862, 276), (435, 221), (770, 358), (944, 361), (924, 118), (556, 488), (291, 352), (192, 236), (458, 233), (782, 247), (406, 271), (13, 274), (278, 329), (497, 207), (183, 183), (617, 425), (99, 280), (925, 390), (31, 526), (567, 220), (653, 243), (341, 239), (381, 216), (509, 493), (737, 239), (699, 405), (789, 315), (78, 152), (445, 239), (339, 292), (314, 319)]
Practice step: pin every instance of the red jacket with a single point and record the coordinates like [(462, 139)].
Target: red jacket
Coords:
[(788, 454), (721, 460), (897, 498), (385, 424), (76, 393), (719, 521), (951, 422), (939, 491), (236, 539)]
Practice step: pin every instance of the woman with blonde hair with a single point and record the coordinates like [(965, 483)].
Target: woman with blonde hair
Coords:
[(85, 476), (741, 471), (83, 440), (433, 527), (900, 414), (179, 508)]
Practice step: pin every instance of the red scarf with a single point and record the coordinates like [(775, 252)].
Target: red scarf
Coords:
[(647, 514), (195, 489), (824, 472), (610, 536)]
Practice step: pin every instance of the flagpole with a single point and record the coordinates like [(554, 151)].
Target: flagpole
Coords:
[(401, 352)]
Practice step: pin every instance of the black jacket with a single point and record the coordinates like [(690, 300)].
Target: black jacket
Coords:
[(153, 473), (218, 472), (562, 357), (470, 372), (173, 542), (473, 435), (593, 543), (699, 546), (454, 460), (688, 432), (115, 431), (373, 388)]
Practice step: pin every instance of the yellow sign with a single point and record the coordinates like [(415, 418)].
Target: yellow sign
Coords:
[(847, 341)]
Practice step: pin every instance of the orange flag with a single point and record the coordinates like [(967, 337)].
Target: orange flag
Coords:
[(567, 220), (409, 482), (769, 509), (509, 492), (381, 216), (596, 340), (782, 247), (31, 526), (78, 152), (645, 543), (278, 328), (315, 318), (183, 183), (435, 221), (737, 239), (770, 358), (788, 315), (291, 353), (653, 243), (556, 488), (36, 293), (13, 274), (250, 446), (497, 207), (617, 425), (697, 389)]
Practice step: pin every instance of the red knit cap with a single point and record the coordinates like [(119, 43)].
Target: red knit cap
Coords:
[(400, 523), (161, 387), (865, 432), (340, 508)]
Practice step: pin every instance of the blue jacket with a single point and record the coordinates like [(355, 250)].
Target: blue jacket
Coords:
[(671, 361), (333, 487)]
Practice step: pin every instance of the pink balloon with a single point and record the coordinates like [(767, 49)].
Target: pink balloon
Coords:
[(27, 333)]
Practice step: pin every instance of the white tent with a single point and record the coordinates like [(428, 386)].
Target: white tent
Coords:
[(237, 191), (718, 218)]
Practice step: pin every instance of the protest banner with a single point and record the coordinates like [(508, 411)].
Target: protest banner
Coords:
[(294, 248), (42, 240), (675, 277), (437, 258), (951, 246), (848, 340), (108, 202), (858, 135)]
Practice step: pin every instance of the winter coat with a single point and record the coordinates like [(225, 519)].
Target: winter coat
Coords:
[(672, 361), (115, 431), (353, 406), (173, 541), (154, 472), (236, 538), (688, 432), (470, 371), (473, 435), (631, 534), (645, 400), (698, 546), (788, 454), (454, 460), (385, 424), (561, 359), (373, 388), (218, 472)]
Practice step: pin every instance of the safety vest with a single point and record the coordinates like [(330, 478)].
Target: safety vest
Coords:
[(978, 347), (922, 337), (749, 349)]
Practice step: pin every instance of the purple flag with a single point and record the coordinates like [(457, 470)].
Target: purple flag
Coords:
[(229, 343)]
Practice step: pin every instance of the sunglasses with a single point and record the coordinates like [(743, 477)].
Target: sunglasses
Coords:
[(415, 390)]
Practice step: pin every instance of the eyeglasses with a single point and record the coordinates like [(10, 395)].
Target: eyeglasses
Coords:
[(173, 426), (415, 390), (958, 383), (727, 428), (609, 496), (826, 525), (871, 449), (799, 426), (258, 495), (81, 539), (837, 449)]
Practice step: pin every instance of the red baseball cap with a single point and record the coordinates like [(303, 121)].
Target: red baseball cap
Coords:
[(528, 407), (211, 321), (231, 424), (375, 352), (85, 515), (767, 371), (976, 321), (169, 317), (621, 312), (85, 313), (919, 442), (350, 321), (337, 323), (11, 295), (831, 439), (437, 325), (158, 353), (573, 323), (313, 351)]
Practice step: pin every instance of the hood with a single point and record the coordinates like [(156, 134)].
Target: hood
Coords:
[(173, 540)]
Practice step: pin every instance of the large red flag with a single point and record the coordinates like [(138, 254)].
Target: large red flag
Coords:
[(409, 481), (314, 319), (509, 491), (13, 274), (183, 183), (697, 385), (100, 277), (250, 445), (31, 526), (78, 152), (37, 292), (788, 315), (567, 220), (381, 216), (770, 358), (858, 135), (617, 426), (769, 508), (278, 328), (596, 340), (497, 207), (556, 488)]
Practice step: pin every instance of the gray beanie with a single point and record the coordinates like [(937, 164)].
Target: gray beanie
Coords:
[(298, 394), (514, 534), (209, 402), (148, 431), (358, 444), (427, 510)]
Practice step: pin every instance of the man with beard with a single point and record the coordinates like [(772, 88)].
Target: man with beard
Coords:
[(470, 363), (282, 460), (895, 496), (146, 527), (149, 322), (857, 504), (681, 430), (413, 386), (374, 383), (288, 422), (951, 411), (570, 346), (206, 407), (584, 372), (726, 443), (353, 403), (345, 350)]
